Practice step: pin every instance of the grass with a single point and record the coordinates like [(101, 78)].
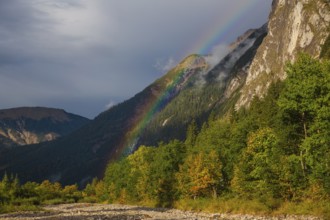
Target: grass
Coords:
[(19, 208), (256, 207), (235, 206), (268, 207), (30, 204), (56, 201), (321, 208)]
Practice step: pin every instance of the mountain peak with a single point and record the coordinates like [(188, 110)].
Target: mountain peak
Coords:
[(191, 66), (193, 61)]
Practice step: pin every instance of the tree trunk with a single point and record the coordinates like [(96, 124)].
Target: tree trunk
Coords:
[(214, 192), (302, 163), (305, 130)]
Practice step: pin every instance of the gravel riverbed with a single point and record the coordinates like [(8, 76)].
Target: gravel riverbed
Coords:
[(125, 212)]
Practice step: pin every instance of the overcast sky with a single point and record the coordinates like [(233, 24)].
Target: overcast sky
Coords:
[(86, 55)]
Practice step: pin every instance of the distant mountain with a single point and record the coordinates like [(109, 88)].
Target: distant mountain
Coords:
[(32, 125), (190, 91)]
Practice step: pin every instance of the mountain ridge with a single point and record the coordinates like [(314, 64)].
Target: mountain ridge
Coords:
[(32, 125), (205, 93)]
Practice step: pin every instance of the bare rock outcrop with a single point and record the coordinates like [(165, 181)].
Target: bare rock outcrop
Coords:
[(294, 26)]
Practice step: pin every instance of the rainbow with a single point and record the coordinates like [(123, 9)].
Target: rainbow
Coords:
[(154, 104), (217, 34)]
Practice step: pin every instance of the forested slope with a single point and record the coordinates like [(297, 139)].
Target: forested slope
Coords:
[(276, 151)]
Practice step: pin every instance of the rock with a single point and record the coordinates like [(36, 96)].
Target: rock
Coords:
[(293, 27), (125, 212)]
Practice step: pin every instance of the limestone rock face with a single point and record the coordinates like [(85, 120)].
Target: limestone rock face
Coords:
[(294, 26)]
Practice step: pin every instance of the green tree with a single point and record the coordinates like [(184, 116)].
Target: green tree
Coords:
[(4, 189), (5, 183), (117, 180), (305, 106), (15, 188), (29, 190), (219, 136), (71, 193), (166, 164), (191, 135), (140, 163), (257, 173)]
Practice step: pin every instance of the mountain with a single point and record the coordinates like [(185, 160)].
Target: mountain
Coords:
[(192, 90), (86, 152), (31, 125), (209, 92)]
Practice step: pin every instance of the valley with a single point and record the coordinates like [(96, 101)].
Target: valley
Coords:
[(247, 134)]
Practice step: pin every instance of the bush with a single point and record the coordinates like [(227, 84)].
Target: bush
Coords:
[(55, 201), (23, 207)]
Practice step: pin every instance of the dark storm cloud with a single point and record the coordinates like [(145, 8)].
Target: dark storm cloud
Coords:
[(85, 55)]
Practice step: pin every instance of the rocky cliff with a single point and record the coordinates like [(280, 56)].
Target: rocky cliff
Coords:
[(294, 26)]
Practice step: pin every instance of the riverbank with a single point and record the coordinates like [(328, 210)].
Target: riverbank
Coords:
[(125, 212)]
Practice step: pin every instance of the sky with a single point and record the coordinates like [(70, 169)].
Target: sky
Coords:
[(84, 56)]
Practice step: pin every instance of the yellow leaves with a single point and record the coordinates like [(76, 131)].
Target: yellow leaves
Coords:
[(200, 174), (70, 189), (123, 198)]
